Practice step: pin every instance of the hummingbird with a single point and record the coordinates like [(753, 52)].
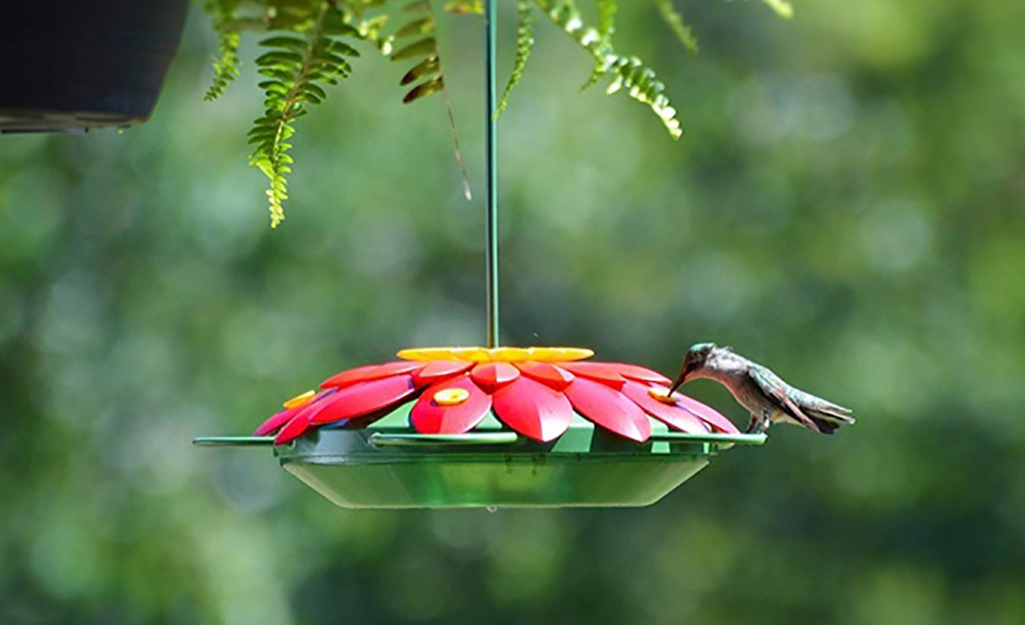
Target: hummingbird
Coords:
[(765, 395)]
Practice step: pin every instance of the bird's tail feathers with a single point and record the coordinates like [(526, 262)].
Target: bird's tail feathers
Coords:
[(834, 413), (824, 426)]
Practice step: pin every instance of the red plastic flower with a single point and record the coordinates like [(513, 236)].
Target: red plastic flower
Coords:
[(535, 391)]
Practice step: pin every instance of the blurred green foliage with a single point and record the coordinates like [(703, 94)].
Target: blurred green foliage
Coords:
[(846, 207)]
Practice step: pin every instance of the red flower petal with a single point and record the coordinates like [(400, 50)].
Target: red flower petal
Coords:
[(555, 377), (278, 420), (491, 376), (599, 371), (364, 398), (439, 370), (431, 418), (634, 372), (274, 423), (294, 429), (533, 409), (671, 415), (706, 414), (609, 408), (370, 372)]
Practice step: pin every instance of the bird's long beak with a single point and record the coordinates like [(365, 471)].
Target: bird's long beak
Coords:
[(679, 381)]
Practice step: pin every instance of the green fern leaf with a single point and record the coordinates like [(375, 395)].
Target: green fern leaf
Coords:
[(422, 26), (428, 67), (675, 21), (465, 7), (782, 8), (285, 41), (226, 64), (429, 70), (629, 73), (607, 10), (524, 45), (424, 89), (297, 68), (424, 47)]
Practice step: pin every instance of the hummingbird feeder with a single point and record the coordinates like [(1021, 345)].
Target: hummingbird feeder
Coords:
[(493, 426)]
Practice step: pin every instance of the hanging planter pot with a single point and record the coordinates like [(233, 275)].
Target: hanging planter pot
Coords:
[(80, 64), (501, 427)]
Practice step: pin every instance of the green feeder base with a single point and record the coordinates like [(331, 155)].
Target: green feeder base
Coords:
[(389, 465)]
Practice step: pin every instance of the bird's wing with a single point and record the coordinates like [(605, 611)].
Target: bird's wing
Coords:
[(776, 389)]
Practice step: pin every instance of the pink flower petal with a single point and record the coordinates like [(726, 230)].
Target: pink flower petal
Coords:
[(533, 409), (671, 415), (492, 376), (598, 371), (370, 372), (278, 420), (706, 414), (294, 428), (546, 373), (609, 408), (363, 398), (275, 422), (634, 372), (431, 418), (438, 370)]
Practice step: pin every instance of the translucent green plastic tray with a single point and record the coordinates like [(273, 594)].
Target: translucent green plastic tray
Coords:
[(389, 465)]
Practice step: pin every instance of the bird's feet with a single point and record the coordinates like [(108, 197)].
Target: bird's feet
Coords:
[(757, 425)]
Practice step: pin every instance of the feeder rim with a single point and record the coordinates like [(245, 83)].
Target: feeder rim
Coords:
[(380, 439)]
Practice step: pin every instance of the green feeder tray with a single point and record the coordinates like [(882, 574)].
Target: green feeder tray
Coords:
[(389, 465)]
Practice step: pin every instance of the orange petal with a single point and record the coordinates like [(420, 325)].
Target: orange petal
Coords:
[(497, 354), (300, 400), (470, 354), (276, 422), (558, 354)]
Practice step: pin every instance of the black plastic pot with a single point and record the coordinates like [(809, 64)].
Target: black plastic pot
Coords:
[(79, 64)]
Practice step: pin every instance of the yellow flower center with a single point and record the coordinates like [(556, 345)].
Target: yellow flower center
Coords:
[(661, 394), (451, 396), (299, 400), (497, 354)]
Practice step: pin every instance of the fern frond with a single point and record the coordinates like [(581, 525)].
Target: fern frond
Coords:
[(524, 45), (296, 69), (782, 8), (226, 64), (427, 75), (421, 26), (607, 10), (641, 85), (465, 7), (629, 72), (672, 17)]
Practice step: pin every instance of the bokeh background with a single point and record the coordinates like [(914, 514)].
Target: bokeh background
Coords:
[(847, 207)]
